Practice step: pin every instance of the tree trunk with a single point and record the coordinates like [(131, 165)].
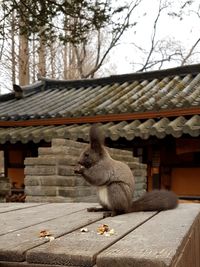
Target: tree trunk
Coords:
[(42, 57), (72, 63), (13, 58), (23, 60), (24, 78), (65, 61), (53, 60), (34, 65)]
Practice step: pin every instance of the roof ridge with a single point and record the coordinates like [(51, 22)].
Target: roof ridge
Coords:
[(27, 89), (129, 77), (46, 83)]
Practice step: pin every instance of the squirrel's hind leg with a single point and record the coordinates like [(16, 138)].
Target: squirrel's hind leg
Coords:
[(96, 209), (106, 212), (120, 196)]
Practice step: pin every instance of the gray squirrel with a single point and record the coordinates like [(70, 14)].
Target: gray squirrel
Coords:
[(115, 181)]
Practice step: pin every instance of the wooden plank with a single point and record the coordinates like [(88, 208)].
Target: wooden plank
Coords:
[(7, 207), (79, 248), (156, 243), (19, 219), (190, 253), (13, 246), (25, 264)]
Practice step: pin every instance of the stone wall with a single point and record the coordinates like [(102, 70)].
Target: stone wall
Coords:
[(50, 177), (4, 188), (4, 181), (1, 163)]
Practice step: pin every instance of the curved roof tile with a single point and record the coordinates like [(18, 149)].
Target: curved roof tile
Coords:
[(129, 130), (154, 91), (139, 92)]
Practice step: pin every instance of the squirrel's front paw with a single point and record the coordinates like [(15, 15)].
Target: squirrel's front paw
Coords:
[(78, 169)]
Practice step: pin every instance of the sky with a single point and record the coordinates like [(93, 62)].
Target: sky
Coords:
[(185, 31)]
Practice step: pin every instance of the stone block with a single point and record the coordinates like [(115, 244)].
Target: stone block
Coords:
[(139, 172), (68, 160), (45, 151), (48, 180), (60, 199), (59, 150), (81, 181), (4, 187), (136, 165), (88, 199), (66, 170), (140, 186), (58, 142), (49, 199), (31, 180), (72, 151), (140, 179), (114, 151), (45, 160), (139, 193), (41, 190), (125, 158), (40, 170), (67, 142), (78, 191), (54, 180)]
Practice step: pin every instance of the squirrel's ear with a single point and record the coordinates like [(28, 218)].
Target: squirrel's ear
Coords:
[(96, 139)]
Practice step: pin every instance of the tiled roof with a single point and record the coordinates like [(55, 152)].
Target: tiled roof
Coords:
[(152, 91), (171, 89), (129, 130)]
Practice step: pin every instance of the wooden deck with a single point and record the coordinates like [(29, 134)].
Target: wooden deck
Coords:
[(170, 238)]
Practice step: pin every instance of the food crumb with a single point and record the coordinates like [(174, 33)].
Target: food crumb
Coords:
[(84, 230), (104, 230)]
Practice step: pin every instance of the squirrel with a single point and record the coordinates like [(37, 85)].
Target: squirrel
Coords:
[(115, 181)]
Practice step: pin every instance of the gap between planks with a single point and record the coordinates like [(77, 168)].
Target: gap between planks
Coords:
[(123, 235), (36, 223)]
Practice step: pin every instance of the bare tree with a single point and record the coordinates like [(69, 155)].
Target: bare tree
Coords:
[(42, 54), (43, 24), (149, 62), (13, 48), (168, 50), (24, 77), (73, 40)]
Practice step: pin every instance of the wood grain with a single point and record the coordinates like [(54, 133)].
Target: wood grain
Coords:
[(79, 248), (156, 243), (13, 246), (22, 218)]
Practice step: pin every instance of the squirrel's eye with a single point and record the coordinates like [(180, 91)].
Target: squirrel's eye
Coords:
[(86, 155)]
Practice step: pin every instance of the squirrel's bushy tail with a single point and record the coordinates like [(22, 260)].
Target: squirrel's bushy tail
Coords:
[(156, 200)]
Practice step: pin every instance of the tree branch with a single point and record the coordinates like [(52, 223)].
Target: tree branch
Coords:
[(114, 41), (160, 9), (190, 52)]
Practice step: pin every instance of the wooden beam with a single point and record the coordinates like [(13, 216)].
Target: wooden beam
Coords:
[(104, 118)]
